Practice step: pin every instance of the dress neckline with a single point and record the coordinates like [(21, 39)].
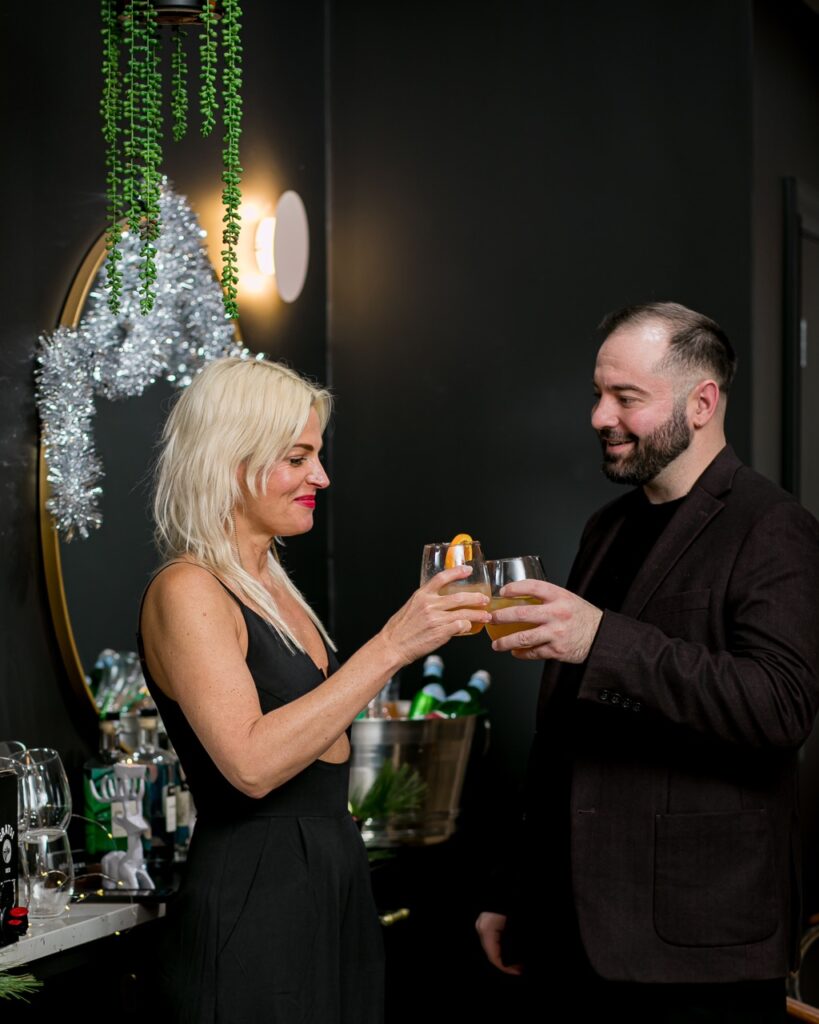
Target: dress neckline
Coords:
[(184, 561), (261, 618)]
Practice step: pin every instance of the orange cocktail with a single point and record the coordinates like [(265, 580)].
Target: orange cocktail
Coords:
[(461, 550), (498, 629)]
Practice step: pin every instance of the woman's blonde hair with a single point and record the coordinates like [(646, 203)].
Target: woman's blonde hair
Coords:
[(237, 412)]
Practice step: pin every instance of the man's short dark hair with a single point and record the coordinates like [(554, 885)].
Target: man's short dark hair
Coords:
[(696, 343)]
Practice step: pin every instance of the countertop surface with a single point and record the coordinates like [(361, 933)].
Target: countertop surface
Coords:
[(78, 924)]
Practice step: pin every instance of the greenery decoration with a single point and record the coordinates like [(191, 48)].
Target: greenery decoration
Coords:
[(133, 128), (393, 791), (179, 85), (231, 176), (207, 65), (110, 109), (18, 986)]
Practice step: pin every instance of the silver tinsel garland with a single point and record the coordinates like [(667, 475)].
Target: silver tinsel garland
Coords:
[(119, 356)]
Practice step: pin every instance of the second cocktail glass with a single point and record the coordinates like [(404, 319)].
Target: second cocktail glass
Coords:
[(509, 570), (437, 557)]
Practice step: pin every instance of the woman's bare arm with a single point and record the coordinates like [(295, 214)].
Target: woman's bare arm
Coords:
[(193, 635)]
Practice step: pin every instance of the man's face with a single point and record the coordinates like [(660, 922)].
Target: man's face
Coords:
[(642, 426)]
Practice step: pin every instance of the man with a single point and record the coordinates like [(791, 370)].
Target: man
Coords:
[(660, 859)]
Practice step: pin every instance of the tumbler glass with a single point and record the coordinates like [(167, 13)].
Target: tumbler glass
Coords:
[(48, 870)]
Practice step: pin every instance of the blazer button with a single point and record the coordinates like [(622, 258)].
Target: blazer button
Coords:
[(615, 698), (636, 706), (626, 703), (604, 695)]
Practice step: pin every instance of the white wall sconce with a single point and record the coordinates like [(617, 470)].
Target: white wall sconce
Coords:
[(282, 245)]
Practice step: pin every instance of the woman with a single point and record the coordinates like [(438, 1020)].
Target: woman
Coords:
[(275, 920)]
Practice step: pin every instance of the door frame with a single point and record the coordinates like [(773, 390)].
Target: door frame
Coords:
[(801, 220)]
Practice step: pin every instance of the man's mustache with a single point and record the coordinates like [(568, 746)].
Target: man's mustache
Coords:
[(612, 437)]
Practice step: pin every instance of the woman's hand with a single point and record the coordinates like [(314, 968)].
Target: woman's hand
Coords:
[(430, 618)]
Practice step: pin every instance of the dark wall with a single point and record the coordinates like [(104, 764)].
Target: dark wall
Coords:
[(786, 144), (53, 181), (503, 175)]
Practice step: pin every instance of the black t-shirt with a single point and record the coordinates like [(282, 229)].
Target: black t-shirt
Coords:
[(629, 549)]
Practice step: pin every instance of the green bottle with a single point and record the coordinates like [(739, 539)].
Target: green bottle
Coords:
[(98, 839), (456, 705), (469, 700), (477, 686), (427, 699), (432, 692)]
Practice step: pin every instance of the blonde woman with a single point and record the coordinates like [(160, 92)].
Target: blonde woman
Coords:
[(275, 919)]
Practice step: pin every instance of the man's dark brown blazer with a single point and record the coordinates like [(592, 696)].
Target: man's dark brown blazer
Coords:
[(681, 734)]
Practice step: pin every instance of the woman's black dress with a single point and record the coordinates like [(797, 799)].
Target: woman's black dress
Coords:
[(275, 920)]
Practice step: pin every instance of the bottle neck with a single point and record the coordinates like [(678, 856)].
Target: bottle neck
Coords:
[(109, 740), (147, 738)]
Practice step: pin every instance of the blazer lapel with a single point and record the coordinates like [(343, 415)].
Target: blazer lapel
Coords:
[(598, 543), (704, 501)]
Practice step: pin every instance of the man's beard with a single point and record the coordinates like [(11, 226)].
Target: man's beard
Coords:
[(651, 454)]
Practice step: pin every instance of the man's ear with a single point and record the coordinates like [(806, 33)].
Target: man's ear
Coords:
[(703, 402)]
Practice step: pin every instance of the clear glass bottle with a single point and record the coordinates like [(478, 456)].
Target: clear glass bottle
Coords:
[(162, 784), (185, 818)]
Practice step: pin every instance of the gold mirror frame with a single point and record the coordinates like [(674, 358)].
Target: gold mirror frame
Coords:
[(70, 318), (49, 537)]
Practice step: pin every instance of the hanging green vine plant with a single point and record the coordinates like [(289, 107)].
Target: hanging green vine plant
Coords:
[(232, 173), (133, 127), (179, 85)]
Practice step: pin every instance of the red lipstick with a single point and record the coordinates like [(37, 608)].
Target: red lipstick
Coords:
[(308, 500)]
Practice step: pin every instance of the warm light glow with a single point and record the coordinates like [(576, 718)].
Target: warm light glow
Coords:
[(251, 211), (252, 284), (265, 235), (274, 245)]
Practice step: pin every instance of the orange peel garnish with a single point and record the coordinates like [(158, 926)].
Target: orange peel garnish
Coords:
[(459, 539)]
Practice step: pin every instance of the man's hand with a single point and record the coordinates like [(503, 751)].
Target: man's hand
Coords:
[(490, 928), (563, 626)]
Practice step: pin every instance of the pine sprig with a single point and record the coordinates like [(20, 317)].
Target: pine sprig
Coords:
[(207, 68), (179, 85), (393, 791), (110, 108), (18, 986), (231, 176)]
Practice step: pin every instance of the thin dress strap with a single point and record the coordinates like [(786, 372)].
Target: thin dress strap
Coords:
[(179, 561)]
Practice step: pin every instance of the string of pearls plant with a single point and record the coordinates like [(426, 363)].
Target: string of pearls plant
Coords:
[(133, 130)]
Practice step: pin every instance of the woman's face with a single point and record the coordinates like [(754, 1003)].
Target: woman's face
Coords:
[(284, 507)]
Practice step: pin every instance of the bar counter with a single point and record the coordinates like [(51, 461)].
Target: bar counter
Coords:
[(81, 923)]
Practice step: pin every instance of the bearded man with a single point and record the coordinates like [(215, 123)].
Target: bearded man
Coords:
[(659, 871)]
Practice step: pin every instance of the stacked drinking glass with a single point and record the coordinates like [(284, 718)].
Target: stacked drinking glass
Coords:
[(44, 810)]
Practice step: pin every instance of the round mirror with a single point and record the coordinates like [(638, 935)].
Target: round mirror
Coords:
[(95, 584)]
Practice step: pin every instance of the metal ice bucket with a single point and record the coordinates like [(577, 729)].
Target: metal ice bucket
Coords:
[(438, 749)]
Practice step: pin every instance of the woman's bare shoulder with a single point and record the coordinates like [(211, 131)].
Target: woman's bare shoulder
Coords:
[(183, 587)]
